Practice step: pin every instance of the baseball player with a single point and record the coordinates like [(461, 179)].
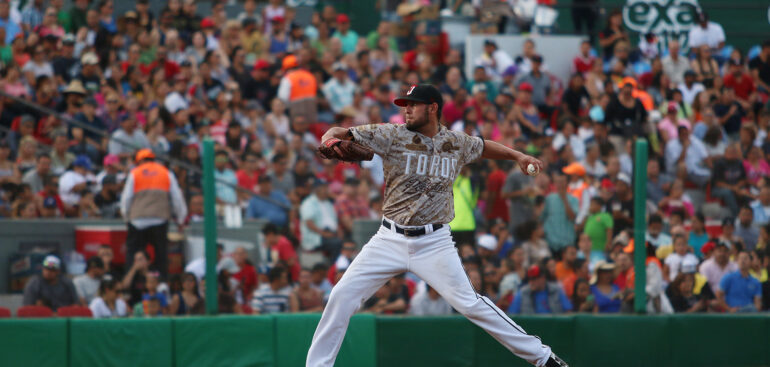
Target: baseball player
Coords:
[(421, 160)]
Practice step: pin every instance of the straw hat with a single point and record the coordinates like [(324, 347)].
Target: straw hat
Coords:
[(75, 87)]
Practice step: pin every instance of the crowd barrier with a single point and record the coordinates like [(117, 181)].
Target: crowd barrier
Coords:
[(384, 341)]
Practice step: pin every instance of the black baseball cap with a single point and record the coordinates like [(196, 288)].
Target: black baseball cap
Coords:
[(421, 93)]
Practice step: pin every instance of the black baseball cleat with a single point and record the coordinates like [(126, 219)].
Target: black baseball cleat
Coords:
[(555, 361)]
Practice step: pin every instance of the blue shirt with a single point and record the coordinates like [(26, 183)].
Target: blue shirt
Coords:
[(348, 40), (541, 302), (11, 30), (608, 303), (559, 229), (740, 291), (697, 241), (261, 208)]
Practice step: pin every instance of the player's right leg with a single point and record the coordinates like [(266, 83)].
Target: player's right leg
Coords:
[(384, 256)]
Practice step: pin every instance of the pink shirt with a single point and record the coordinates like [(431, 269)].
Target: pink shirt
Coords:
[(755, 173), (711, 270), (668, 126)]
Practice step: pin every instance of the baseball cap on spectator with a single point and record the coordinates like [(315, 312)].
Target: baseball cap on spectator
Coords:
[(68, 39), (261, 64), (289, 62), (655, 116), (534, 272), (574, 169), (526, 87), (622, 177), (689, 265), (248, 21), (264, 179), (343, 18), (186, 64), (82, 161), (75, 87), (708, 247), (537, 58), (49, 202), (277, 19), (510, 71), (672, 107), (489, 42), (479, 87), (506, 91), (628, 80), (207, 23), (337, 66), (487, 241), (690, 73), (130, 15), (27, 118), (320, 182), (52, 262), (89, 58)]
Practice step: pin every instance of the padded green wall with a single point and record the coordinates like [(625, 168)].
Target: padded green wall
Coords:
[(384, 341)]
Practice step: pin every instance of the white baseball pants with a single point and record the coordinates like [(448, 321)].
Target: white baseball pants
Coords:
[(434, 259)]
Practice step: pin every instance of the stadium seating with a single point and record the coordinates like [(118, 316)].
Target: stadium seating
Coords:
[(34, 311)]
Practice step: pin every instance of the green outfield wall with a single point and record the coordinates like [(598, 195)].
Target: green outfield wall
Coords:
[(382, 341)]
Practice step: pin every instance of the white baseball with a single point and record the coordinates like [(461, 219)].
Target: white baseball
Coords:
[(531, 170)]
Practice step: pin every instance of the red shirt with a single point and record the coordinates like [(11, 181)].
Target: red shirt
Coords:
[(453, 113), (583, 64), (248, 279), (495, 184), (286, 252), (248, 182), (743, 87)]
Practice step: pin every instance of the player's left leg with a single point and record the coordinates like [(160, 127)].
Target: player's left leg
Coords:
[(435, 260)]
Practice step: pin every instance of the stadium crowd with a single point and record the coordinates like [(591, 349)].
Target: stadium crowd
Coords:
[(265, 88)]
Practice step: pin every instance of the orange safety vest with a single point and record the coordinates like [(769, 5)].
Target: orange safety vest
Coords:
[(303, 85), (577, 191), (151, 176), (645, 98)]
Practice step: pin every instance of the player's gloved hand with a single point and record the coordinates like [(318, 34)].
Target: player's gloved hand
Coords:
[(344, 150)]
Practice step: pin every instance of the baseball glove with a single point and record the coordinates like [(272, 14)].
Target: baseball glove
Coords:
[(344, 150)]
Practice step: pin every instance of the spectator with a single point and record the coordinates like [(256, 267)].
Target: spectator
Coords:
[(282, 177), (519, 188), (320, 281), (108, 303), (706, 33), (680, 293), (566, 267), (87, 285), (247, 276), (34, 177), (612, 34), (50, 288), (741, 83), (539, 296), (184, 301), (625, 115), (738, 291), (675, 65), (12, 29), (657, 183), (717, 266), (305, 297), (281, 252), (698, 235), (274, 296), (339, 89), (429, 303), (151, 293), (389, 299), (107, 199), (74, 183), (582, 298), (692, 152), (319, 225), (761, 207), (760, 68), (607, 295), (755, 165), (540, 82), (126, 140), (745, 229), (621, 204), (494, 60), (349, 207), (705, 66), (729, 112), (269, 204), (226, 181), (674, 262), (670, 124), (558, 215), (530, 235), (584, 61), (729, 179), (598, 226)]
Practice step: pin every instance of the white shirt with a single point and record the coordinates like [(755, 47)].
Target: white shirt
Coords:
[(501, 62), (100, 310), (712, 36), (422, 305), (688, 94), (67, 181), (675, 261), (575, 143)]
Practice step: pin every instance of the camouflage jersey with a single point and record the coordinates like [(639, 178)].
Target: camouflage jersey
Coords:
[(419, 171)]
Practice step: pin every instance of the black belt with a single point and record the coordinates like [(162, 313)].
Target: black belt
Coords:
[(410, 232)]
